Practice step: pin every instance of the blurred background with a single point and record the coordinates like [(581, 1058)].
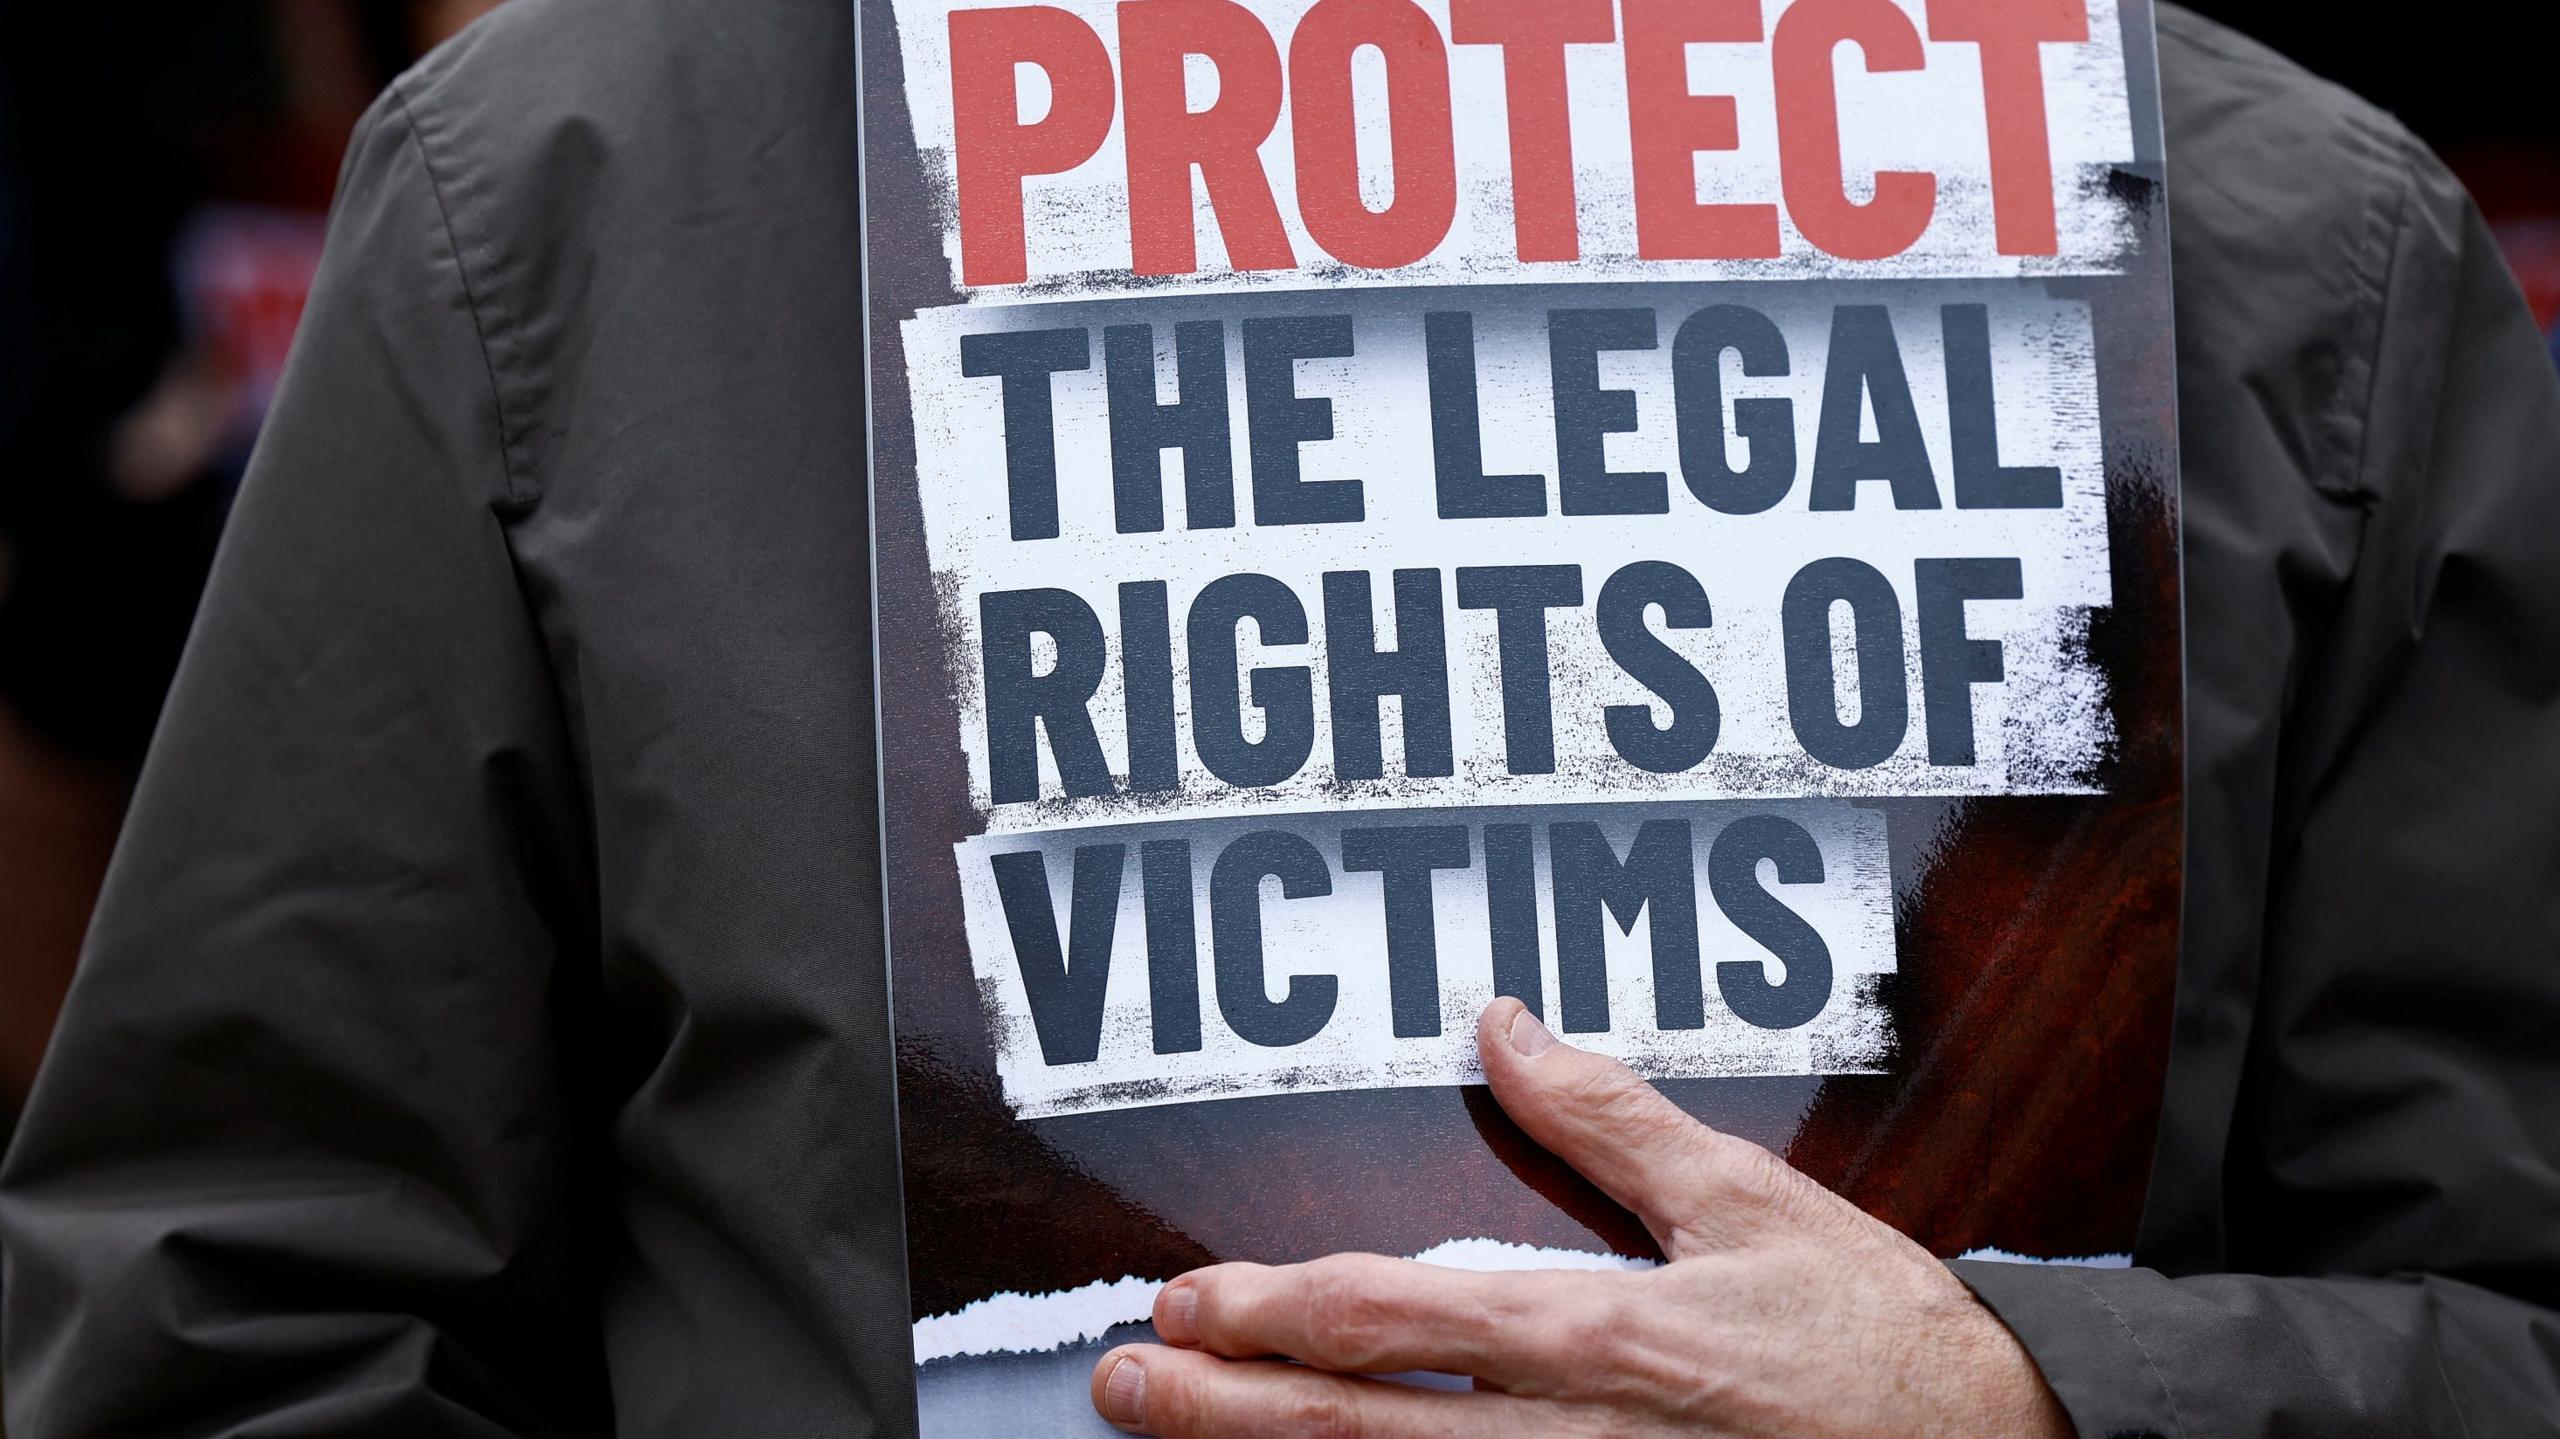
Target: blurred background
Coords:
[(164, 172), (165, 166)]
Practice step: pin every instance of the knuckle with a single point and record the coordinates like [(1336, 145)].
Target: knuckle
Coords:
[(1325, 1413), (1615, 1103), (1344, 1315), (1602, 1082), (1597, 1322)]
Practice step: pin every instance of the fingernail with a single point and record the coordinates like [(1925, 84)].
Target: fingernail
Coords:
[(1124, 1393), (1528, 1036), (1178, 1314)]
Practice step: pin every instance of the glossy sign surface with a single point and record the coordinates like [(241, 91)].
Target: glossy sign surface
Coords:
[(1665, 510)]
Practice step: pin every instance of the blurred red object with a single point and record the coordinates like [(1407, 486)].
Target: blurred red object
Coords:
[(2533, 252), (2517, 183), (244, 272)]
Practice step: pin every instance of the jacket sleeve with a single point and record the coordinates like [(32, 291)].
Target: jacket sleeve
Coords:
[(302, 1158), (2391, 1191)]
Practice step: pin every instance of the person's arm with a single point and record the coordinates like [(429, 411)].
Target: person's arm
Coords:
[(305, 1156), (2391, 1189)]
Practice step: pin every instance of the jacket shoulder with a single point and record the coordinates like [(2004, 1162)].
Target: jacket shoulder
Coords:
[(619, 173), (2251, 129), (2294, 205), (632, 69)]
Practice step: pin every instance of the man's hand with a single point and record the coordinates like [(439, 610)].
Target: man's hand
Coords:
[(1784, 1310)]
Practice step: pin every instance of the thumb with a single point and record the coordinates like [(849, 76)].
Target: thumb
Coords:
[(1695, 1188)]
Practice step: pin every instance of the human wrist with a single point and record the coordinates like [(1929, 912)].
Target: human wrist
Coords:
[(2014, 1397)]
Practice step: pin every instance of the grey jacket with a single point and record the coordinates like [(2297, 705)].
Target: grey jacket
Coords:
[(483, 1030)]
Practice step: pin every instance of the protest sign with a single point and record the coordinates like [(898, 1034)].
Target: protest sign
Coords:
[(1665, 509)]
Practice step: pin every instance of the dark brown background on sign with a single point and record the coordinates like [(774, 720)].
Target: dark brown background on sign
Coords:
[(2037, 936)]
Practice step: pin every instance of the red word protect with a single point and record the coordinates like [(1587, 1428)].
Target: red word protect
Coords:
[(1669, 127)]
